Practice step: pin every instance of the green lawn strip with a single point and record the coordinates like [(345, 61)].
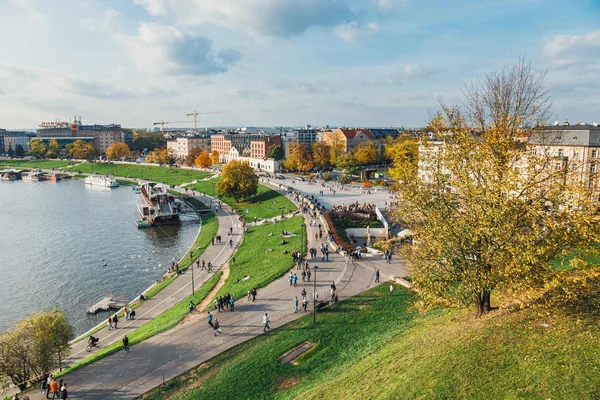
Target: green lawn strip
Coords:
[(164, 321), (35, 164), (590, 255), (344, 334), (170, 176), (267, 203), (210, 226), (254, 259)]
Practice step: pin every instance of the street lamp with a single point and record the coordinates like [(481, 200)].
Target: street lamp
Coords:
[(192, 266), (315, 268), (303, 227)]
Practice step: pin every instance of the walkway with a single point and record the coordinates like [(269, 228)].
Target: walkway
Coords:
[(178, 290), (164, 356)]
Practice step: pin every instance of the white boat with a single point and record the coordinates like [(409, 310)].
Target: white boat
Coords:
[(101, 180), (31, 176), (158, 206)]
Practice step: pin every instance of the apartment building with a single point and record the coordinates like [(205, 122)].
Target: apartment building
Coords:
[(184, 146)]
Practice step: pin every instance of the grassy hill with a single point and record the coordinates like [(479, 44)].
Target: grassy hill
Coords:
[(374, 347)]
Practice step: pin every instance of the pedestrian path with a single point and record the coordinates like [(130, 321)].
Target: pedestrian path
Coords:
[(179, 289)]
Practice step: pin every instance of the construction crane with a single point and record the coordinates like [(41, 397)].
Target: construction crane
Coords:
[(163, 123), (195, 114)]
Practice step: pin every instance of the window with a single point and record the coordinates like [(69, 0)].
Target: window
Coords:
[(557, 166), (593, 167), (561, 152), (594, 153), (591, 184), (575, 154)]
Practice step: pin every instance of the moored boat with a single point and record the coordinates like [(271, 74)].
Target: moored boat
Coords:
[(101, 180), (31, 176), (49, 176), (158, 206)]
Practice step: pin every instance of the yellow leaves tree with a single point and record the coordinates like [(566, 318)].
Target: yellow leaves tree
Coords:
[(366, 153), (321, 152), (300, 158), (161, 156), (203, 160), (190, 159), (37, 148), (81, 150), (488, 216), (403, 152), (53, 148), (238, 181), (214, 156), (118, 150), (337, 144)]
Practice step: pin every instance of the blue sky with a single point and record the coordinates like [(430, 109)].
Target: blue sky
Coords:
[(283, 62)]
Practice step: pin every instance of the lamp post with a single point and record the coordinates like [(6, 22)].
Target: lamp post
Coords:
[(192, 266), (315, 268), (303, 227)]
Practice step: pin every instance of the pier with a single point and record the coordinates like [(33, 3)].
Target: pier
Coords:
[(106, 304)]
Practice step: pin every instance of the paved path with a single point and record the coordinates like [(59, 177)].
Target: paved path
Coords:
[(178, 290), (162, 357)]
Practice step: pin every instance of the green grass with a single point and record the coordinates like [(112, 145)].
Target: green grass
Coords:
[(163, 322), (590, 255), (372, 347), (210, 226), (344, 334), (252, 258), (29, 164), (170, 176), (267, 203)]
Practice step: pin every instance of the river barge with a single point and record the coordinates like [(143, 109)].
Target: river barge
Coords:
[(101, 180), (158, 206)]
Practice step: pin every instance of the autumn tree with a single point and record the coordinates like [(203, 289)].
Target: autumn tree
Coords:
[(118, 150), (203, 160), (321, 152), (403, 152), (81, 150), (300, 158), (366, 153), (190, 159), (238, 181), (489, 216), (37, 148), (162, 156), (337, 143), (53, 148), (37, 344), (276, 152), (214, 157)]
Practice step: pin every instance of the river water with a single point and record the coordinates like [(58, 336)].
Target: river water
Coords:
[(56, 237)]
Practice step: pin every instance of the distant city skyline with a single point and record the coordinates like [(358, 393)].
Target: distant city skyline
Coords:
[(283, 62)]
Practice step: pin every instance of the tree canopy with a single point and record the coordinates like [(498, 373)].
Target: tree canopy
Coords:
[(203, 160), (367, 153), (161, 156), (214, 156), (403, 152), (300, 158), (238, 181), (276, 152), (37, 148), (81, 150), (487, 214), (53, 148), (321, 152), (348, 163), (118, 150)]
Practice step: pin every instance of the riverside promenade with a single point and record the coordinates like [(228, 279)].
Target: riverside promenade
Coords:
[(179, 289), (164, 356)]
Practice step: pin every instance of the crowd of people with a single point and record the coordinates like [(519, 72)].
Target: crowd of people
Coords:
[(58, 390)]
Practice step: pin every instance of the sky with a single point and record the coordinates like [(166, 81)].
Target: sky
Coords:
[(284, 62)]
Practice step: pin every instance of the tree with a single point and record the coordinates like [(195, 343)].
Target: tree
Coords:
[(19, 150), (300, 158), (37, 148), (190, 159), (11, 151), (37, 344), (81, 150), (238, 180), (147, 141), (276, 152), (53, 148), (203, 160), (367, 153), (403, 152), (162, 156), (349, 164), (321, 152), (489, 215), (214, 156), (118, 150), (337, 143)]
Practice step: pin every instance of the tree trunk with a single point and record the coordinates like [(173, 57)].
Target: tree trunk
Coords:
[(482, 302)]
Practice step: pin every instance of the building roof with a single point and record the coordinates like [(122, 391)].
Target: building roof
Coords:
[(567, 135), (351, 133)]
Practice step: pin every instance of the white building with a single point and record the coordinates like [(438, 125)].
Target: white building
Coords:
[(259, 164)]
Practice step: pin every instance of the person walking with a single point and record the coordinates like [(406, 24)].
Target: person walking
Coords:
[(303, 276), (53, 389), (295, 280), (308, 275), (210, 318), (191, 305), (254, 294), (115, 321), (377, 276), (63, 391), (126, 343), (296, 304), (303, 293), (266, 323), (231, 305), (109, 323), (216, 328), (304, 303), (126, 312)]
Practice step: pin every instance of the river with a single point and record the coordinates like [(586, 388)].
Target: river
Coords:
[(55, 239)]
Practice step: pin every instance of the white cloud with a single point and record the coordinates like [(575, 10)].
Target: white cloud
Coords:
[(387, 5), (108, 21), (587, 45), (160, 48), (154, 7), (353, 32), (273, 18), (111, 91), (412, 71)]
